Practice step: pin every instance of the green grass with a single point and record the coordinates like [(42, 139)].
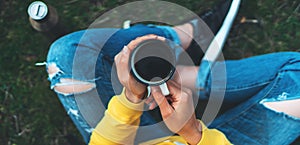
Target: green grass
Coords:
[(30, 114)]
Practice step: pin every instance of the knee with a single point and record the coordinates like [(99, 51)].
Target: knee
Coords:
[(68, 86), (289, 107), (290, 61), (71, 86)]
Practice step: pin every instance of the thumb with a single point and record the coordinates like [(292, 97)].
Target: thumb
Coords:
[(165, 108)]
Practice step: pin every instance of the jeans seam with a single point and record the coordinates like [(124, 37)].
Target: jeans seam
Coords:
[(231, 89)]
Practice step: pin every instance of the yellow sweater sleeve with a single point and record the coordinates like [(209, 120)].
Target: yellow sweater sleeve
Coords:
[(119, 124)]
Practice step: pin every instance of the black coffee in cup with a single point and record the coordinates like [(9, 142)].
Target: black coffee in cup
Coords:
[(152, 62)]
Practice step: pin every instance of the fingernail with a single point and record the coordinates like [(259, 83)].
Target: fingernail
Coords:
[(125, 49)]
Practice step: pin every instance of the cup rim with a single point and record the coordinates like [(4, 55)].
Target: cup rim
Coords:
[(137, 75)]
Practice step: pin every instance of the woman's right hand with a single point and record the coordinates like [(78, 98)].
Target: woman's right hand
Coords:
[(177, 110)]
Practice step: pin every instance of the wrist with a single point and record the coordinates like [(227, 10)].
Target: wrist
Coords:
[(129, 106), (192, 135), (133, 98)]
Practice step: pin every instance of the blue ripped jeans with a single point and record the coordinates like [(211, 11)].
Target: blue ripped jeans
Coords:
[(88, 56)]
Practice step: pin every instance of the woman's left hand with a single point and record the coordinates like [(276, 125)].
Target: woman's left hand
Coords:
[(134, 90)]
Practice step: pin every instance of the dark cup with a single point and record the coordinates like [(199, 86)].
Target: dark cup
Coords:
[(152, 62)]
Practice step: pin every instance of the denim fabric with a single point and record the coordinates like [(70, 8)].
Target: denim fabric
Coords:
[(250, 83), (88, 56)]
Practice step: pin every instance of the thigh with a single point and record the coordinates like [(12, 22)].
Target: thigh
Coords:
[(245, 78), (252, 122)]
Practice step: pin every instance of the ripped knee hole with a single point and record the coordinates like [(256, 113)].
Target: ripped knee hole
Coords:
[(71, 86), (290, 107)]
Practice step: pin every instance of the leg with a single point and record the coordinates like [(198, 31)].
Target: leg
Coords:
[(242, 78), (271, 115)]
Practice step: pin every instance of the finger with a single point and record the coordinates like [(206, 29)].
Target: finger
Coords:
[(182, 88), (117, 62), (178, 89), (149, 99), (138, 40), (165, 108), (123, 59), (152, 105), (121, 62), (150, 102), (174, 88), (174, 83), (116, 57), (123, 53)]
